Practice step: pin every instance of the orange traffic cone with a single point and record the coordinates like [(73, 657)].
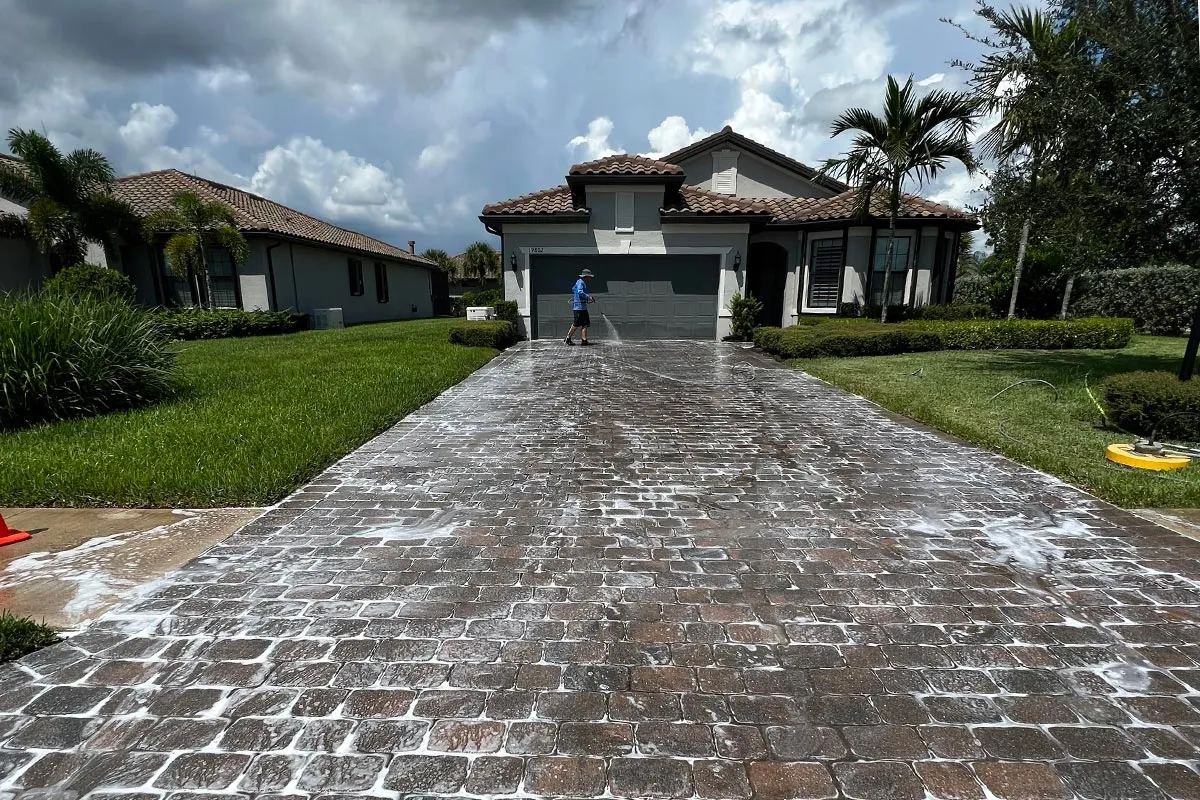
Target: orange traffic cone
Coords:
[(11, 535)]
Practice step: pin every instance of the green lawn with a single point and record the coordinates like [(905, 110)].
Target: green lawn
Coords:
[(1025, 423), (258, 418)]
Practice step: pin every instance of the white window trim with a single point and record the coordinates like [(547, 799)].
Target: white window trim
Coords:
[(631, 198), (807, 256)]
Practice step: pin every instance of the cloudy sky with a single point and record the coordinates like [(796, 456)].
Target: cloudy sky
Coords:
[(401, 118)]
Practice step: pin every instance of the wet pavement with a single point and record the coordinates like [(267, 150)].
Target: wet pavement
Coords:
[(670, 570), (82, 562)]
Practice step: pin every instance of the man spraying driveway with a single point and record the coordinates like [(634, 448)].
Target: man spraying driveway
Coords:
[(580, 301)]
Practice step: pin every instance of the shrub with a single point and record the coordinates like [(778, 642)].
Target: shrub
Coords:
[(1160, 300), (1139, 401), (972, 290), (744, 311), (843, 341), (872, 338), (71, 357), (952, 311), (203, 323), (490, 297), (20, 636), (496, 334), (1026, 334), (508, 311), (90, 280)]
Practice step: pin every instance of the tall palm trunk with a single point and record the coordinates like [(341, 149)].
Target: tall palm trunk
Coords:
[(887, 267), (1019, 268), (1023, 246), (207, 278), (1062, 314)]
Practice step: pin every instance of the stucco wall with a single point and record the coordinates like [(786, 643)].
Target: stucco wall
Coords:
[(321, 280), (756, 177), (599, 237), (21, 266)]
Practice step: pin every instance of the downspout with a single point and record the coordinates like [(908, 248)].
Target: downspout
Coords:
[(271, 274), (295, 286)]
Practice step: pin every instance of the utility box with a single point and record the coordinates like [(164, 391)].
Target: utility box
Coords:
[(324, 319), (481, 313)]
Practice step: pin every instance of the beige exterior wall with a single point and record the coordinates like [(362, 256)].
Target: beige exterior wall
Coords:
[(755, 177)]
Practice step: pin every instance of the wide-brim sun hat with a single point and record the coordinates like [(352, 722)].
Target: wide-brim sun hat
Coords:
[(587, 273)]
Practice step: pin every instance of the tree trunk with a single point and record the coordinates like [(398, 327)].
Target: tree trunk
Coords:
[(1019, 268), (887, 266), (207, 278), (1062, 314), (1189, 357)]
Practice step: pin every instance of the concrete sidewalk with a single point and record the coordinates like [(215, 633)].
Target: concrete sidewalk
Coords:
[(81, 562)]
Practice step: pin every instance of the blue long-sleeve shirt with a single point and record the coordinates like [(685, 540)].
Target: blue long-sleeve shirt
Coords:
[(581, 296)]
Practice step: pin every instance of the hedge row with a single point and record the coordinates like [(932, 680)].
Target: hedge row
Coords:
[(1160, 300), (201, 323), (1140, 401), (874, 339), (496, 334), (943, 311)]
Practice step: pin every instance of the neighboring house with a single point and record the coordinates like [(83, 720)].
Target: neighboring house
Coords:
[(672, 240), (22, 265), (464, 284), (295, 261)]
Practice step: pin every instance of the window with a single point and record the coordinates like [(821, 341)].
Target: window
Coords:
[(381, 287), (222, 278), (900, 251), (824, 273), (354, 267), (624, 212)]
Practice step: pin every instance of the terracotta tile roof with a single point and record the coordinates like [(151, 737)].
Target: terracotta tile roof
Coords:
[(152, 191), (625, 164), (842, 206), (548, 201), (694, 200)]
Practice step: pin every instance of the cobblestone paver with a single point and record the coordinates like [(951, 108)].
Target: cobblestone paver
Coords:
[(640, 571)]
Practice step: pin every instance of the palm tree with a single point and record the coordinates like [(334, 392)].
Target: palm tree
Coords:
[(1022, 81), (444, 260), (481, 261), (914, 139), (196, 226), (69, 198)]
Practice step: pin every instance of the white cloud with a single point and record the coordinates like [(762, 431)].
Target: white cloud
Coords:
[(435, 157), (935, 78), (781, 55), (594, 144), (333, 184), (670, 135), (223, 78), (147, 127)]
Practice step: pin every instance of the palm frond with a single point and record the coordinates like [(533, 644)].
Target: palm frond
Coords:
[(182, 251), (105, 216), (164, 220), (13, 226), (16, 183), (90, 170), (232, 240)]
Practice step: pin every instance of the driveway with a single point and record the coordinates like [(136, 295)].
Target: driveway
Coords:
[(635, 571)]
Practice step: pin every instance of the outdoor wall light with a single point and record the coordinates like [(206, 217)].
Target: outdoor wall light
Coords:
[(512, 261), (737, 261)]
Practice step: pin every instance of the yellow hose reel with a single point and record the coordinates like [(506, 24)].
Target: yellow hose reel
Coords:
[(1130, 455)]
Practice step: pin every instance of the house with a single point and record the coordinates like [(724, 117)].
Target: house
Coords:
[(295, 261), (464, 284), (672, 240), (22, 265)]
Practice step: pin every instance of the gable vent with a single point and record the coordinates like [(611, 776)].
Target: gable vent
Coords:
[(725, 172)]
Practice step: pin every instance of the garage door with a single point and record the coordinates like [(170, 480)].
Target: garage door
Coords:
[(641, 297)]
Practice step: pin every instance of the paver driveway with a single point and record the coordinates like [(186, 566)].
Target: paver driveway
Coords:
[(754, 585)]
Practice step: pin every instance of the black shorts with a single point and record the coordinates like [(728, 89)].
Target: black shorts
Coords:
[(582, 319)]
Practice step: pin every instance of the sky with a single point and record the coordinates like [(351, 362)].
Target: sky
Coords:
[(402, 118)]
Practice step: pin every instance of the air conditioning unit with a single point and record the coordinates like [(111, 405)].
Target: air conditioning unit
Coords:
[(481, 312), (324, 319)]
